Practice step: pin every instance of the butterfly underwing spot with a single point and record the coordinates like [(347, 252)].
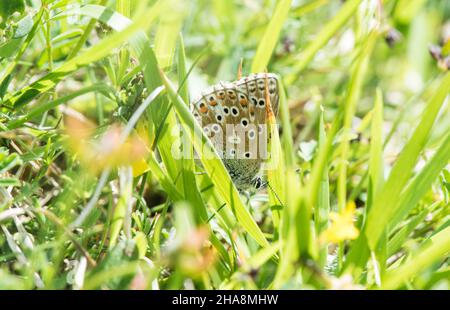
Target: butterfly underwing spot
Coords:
[(215, 128), (231, 94), (234, 111), (251, 134), (272, 86), (226, 110), (244, 122), (252, 87), (202, 108), (261, 84), (208, 131), (252, 114), (243, 101), (260, 129), (212, 101), (219, 118), (261, 103)]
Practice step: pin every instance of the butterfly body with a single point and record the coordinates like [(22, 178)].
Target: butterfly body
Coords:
[(234, 117)]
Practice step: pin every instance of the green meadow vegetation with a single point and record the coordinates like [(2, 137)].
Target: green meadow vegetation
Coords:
[(94, 99)]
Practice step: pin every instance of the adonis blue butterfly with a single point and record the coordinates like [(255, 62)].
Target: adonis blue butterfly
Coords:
[(234, 117)]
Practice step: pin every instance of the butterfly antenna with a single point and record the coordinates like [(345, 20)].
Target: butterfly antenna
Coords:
[(239, 73), (275, 193), (216, 212)]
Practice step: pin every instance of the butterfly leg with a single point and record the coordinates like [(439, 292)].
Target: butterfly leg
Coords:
[(248, 196)]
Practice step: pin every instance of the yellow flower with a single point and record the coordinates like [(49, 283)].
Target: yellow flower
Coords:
[(341, 227)]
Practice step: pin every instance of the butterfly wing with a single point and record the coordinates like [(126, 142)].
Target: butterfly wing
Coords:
[(233, 116)]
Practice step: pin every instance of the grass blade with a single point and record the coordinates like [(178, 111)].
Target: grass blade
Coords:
[(344, 14), (271, 35), (167, 32), (433, 250), (41, 109), (322, 209), (421, 183), (93, 54), (384, 206), (286, 138)]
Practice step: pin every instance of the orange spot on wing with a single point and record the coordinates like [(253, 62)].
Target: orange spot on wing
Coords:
[(269, 112), (204, 109), (213, 103), (243, 102)]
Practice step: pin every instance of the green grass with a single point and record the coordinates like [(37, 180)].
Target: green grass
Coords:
[(94, 111)]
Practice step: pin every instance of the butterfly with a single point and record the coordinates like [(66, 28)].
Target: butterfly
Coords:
[(234, 117)]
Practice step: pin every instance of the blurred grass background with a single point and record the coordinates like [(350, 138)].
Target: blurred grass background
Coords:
[(93, 94)]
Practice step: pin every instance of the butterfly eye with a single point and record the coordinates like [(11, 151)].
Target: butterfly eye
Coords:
[(234, 111), (258, 183), (247, 154)]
